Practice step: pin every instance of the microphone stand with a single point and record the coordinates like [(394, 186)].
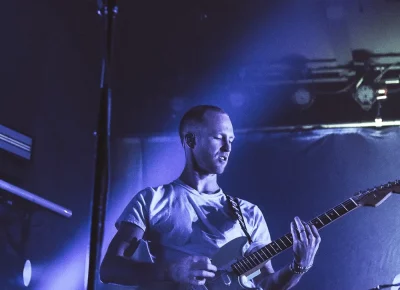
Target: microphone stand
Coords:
[(108, 10)]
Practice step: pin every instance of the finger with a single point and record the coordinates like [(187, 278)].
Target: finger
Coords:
[(299, 223), (300, 228), (201, 274), (309, 233), (316, 234), (295, 233), (204, 263), (211, 267), (201, 260), (196, 281)]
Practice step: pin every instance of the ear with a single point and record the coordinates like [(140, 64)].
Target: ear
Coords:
[(190, 140)]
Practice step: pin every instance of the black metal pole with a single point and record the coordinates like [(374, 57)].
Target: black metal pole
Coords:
[(108, 11)]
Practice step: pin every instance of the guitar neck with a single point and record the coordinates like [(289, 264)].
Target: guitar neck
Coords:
[(255, 260)]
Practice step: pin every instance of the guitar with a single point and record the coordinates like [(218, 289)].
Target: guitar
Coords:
[(235, 272)]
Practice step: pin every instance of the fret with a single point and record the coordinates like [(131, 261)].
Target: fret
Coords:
[(268, 251), (341, 209), (290, 241), (240, 270), (237, 269), (333, 214), (276, 247), (336, 212), (270, 246), (255, 258), (317, 223), (353, 201), (244, 265), (261, 257), (280, 240), (322, 224), (324, 219), (266, 255), (344, 207), (250, 260), (328, 217), (257, 253)]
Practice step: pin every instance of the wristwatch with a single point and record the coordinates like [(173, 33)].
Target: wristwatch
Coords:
[(297, 269)]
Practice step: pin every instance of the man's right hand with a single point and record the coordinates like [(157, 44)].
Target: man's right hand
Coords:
[(192, 270)]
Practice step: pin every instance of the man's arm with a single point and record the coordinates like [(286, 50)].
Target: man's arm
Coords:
[(279, 280), (117, 266), (306, 242)]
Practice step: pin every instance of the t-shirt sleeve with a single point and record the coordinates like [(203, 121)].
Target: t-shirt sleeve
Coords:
[(137, 210), (260, 234)]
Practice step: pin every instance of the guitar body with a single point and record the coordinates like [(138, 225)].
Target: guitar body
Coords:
[(225, 278)]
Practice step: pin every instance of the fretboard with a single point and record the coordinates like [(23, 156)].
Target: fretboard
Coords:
[(261, 256)]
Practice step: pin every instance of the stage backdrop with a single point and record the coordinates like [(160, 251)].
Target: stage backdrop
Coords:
[(288, 174)]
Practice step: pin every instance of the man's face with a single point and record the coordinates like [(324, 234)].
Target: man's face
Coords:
[(214, 139)]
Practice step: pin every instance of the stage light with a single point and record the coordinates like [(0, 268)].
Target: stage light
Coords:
[(15, 142), (378, 118), (365, 96), (27, 273), (16, 272), (381, 94), (392, 81), (303, 98)]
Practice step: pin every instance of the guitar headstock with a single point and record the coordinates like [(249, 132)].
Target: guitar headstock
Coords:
[(377, 195)]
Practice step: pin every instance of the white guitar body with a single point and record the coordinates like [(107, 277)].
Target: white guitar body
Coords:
[(225, 278)]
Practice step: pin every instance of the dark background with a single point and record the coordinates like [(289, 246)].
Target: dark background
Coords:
[(247, 57)]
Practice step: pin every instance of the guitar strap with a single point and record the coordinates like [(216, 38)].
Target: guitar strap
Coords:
[(235, 207)]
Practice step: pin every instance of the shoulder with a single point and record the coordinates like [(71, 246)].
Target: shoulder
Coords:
[(248, 206), (252, 212), (155, 193)]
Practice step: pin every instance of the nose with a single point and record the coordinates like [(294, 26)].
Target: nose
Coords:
[(227, 147)]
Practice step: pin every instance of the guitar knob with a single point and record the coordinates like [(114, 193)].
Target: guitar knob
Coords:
[(226, 279)]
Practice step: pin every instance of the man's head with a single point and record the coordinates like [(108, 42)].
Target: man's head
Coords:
[(206, 133)]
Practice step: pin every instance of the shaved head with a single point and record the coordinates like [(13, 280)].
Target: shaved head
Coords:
[(194, 118), (206, 134)]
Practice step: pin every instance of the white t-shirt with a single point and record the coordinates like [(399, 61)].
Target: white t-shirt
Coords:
[(180, 221)]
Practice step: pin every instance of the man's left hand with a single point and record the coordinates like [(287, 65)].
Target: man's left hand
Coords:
[(306, 242)]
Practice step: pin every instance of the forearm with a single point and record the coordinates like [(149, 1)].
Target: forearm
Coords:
[(279, 280), (123, 271)]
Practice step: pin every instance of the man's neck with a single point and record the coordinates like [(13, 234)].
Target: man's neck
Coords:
[(202, 183)]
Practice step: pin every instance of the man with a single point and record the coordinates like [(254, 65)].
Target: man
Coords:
[(187, 221)]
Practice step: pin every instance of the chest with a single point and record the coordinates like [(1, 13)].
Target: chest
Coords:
[(184, 219)]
